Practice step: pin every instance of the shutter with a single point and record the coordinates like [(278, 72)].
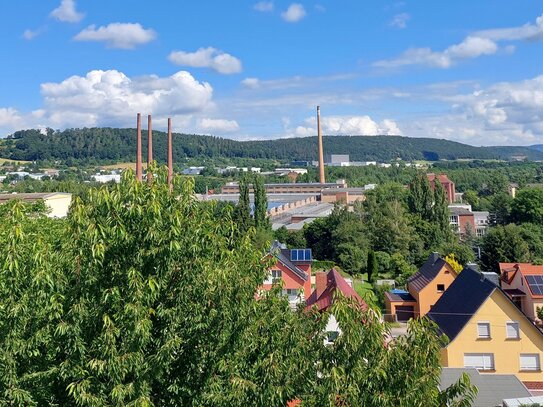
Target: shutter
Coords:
[(529, 361), (512, 330), (473, 360), (483, 329), (488, 361)]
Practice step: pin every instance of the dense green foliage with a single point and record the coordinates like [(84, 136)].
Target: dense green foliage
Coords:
[(143, 297), (119, 144)]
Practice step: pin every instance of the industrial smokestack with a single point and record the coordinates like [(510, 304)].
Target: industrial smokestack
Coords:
[(170, 154), (149, 148), (322, 179), (139, 170)]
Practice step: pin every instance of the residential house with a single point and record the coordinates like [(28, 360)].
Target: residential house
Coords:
[(293, 270), (486, 330), (58, 203), (523, 283), (445, 182), (465, 221), (327, 286), (424, 289)]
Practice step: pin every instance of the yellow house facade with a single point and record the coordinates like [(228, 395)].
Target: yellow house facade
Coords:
[(487, 330)]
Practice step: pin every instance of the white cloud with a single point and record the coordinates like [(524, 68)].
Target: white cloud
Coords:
[(400, 20), (470, 47), (294, 13), (30, 34), (479, 43), (347, 125), (251, 83), (530, 32), (66, 12), (218, 125), (110, 98), (264, 6), (118, 35), (207, 58)]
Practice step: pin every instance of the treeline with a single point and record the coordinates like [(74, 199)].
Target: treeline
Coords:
[(143, 297), (111, 144)]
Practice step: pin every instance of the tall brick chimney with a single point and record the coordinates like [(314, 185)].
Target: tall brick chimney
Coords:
[(149, 147), (139, 170), (170, 153), (322, 179)]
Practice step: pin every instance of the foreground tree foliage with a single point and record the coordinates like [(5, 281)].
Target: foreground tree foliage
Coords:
[(143, 297)]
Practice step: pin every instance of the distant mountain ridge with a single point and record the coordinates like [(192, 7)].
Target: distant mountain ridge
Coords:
[(99, 144)]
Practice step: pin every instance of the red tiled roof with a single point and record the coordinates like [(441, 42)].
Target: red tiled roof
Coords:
[(533, 385), (508, 271), (442, 177), (334, 282)]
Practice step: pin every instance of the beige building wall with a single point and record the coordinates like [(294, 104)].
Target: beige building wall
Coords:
[(58, 203), (497, 310)]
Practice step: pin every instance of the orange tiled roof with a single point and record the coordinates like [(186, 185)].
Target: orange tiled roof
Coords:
[(509, 270)]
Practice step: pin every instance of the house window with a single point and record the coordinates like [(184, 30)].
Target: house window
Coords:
[(300, 255), (440, 288), (480, 361), (530, 362), (273, 277), (483, 330), (512, 330), (331, 336), (480, 232)]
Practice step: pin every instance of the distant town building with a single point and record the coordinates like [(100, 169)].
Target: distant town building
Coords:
[(105, 178), (193, 170), (446, 183), (465, 221), (337, 160), (58, 203), (288, 188)]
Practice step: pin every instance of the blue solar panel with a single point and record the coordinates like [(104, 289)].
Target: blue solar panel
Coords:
[(300, 255), (536, 284)]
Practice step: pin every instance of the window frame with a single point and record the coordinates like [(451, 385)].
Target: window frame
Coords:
[(489, 330), (527, 369), (507, 323), (492, 365), (438, 290)]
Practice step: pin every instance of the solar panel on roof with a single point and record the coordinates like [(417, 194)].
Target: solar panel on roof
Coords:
[(536, 284)]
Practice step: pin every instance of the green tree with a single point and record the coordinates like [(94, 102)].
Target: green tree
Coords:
[(242, 213), (528, 206), (373, 267), (261, 204), (503, 244)]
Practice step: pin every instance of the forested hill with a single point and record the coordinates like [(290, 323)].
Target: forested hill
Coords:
[(99, 144)]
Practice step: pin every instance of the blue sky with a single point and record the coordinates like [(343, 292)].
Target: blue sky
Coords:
[(465, 70)]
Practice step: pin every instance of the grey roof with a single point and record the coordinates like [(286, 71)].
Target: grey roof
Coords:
[(460, 301), (427, 272), (493, 388)]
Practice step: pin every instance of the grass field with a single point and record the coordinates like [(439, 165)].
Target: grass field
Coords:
[(123, 166), (3, 160)]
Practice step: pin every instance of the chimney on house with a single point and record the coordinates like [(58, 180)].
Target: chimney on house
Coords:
[(170, 154), (139, 170), (149, 147), (322, 180), (321, 280)]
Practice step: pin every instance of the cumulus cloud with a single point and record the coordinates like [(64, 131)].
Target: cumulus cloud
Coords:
[(400, 20), (218, 125), (264, 6), (294, 13), (109, 96), (118, 35), (251, 83), (67, 12), (209, 57), (348, 125), (470, 47)]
